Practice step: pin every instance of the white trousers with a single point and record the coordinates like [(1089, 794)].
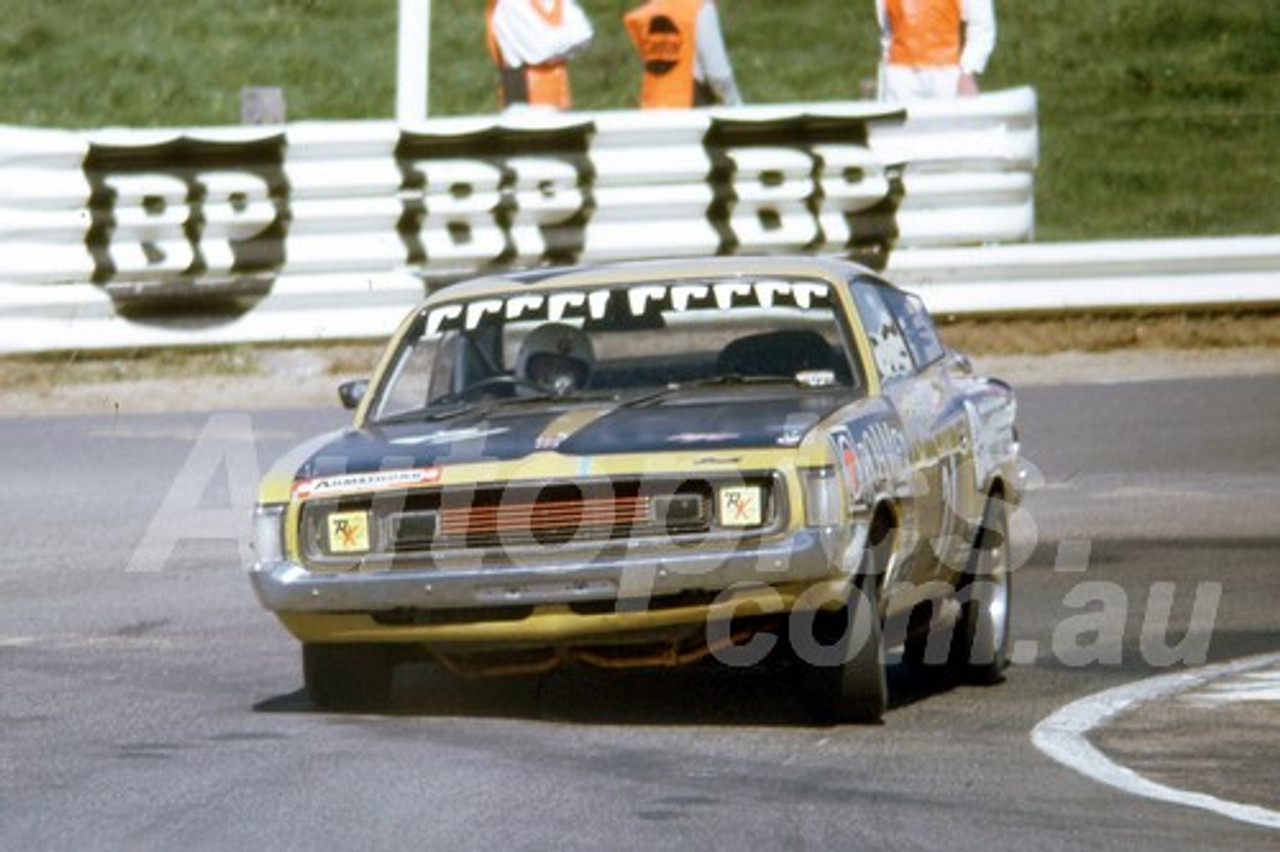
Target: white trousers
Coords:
[(905, 83)]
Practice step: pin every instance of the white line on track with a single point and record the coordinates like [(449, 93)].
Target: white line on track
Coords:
[(1255, 687), (1063, 737)]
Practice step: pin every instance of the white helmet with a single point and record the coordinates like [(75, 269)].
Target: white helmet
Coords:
[(557, 356)]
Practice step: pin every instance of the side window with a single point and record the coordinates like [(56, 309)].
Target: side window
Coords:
[(411, 380), (888, 347), (922, 337)]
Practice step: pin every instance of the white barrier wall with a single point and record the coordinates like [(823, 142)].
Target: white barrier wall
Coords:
[(203, 221), (454, 195)]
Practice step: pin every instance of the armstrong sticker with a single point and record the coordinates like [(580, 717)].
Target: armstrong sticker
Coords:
[(372, 481)]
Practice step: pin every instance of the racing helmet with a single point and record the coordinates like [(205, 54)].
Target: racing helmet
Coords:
[(556, 356)]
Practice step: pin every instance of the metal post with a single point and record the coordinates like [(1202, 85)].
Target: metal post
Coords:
[(412, 61)]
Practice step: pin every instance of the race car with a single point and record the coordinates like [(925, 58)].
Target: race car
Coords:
[(653, 463)]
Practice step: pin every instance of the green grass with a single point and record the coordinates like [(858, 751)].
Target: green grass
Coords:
[(1159, 118)]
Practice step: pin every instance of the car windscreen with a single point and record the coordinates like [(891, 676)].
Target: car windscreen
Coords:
[(614, 341)]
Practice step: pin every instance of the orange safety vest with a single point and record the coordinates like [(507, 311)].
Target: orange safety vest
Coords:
[(925, 33), (665, 34), (537, 85)]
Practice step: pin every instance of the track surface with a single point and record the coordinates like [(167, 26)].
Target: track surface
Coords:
[(162, 708)]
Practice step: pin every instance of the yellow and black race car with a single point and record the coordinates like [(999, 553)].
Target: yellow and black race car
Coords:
[(647, 464)]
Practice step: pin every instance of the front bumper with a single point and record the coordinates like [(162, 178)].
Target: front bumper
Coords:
[(630, 578), (615, 601)]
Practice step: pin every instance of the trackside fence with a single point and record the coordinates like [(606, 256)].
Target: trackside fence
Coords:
[(123, 238)]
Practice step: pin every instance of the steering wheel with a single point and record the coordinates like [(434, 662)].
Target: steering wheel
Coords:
[(513, 382)]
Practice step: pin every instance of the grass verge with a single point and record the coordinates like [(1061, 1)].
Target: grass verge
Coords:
[(1111, 333)]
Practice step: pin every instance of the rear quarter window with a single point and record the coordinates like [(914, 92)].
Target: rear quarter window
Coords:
[(916, 324), (888, 345)]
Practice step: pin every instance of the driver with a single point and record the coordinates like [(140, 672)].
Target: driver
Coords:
[(556, 356)]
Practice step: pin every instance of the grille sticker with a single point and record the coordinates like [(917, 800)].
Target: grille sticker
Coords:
[(348, 532), (741, 506)]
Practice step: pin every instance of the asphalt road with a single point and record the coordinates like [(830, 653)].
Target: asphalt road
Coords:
[(146, 702)]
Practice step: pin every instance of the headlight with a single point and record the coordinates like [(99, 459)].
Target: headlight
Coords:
[(681, 512), (268, 531), (823, 496)]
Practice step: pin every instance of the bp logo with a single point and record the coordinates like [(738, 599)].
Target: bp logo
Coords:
[(187, 217), (499, 196), (802, 183)]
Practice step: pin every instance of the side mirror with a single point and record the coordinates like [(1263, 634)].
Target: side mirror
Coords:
[(352, 393)]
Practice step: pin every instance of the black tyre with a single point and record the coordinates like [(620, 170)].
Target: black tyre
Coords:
[(979, 651), (843, 663), (347, 677)]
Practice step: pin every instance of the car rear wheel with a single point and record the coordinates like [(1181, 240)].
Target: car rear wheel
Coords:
[(347, 676), (980, 644), (973, 646)]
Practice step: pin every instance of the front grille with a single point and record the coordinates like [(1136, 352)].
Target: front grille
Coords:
[(545, 522), (489, 517)]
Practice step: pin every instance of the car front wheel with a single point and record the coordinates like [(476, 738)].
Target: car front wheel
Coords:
[(841, 651), (843, 665)]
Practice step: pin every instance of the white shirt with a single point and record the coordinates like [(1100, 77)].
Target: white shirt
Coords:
[(526, 37)]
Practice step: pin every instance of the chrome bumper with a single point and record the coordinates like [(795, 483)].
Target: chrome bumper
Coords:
[(811, 554)]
